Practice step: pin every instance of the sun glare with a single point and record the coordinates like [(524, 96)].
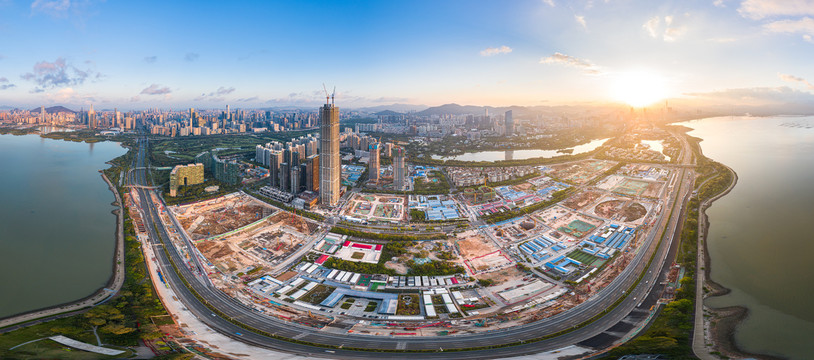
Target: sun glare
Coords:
[(639, 88)]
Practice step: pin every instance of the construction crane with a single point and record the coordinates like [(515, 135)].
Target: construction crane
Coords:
[(329, 99)]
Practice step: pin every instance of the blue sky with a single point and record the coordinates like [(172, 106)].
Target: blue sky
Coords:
[(140, 54)]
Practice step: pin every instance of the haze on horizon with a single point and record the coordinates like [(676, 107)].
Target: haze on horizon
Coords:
[(135, 55)]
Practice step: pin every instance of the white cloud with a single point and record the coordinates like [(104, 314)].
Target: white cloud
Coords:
[(759, 9), (722, 40), (581, 20), (652, 26), (57, 8), (667, 33), (803, 26), (490, 51), (216, 95), (672, 34), (567, 60), (549, 3), (68, 95), (719, 3), (156, 89), (795, 79)]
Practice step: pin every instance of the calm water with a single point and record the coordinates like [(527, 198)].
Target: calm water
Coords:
[(761, 239), (56, 229), (521, 154)]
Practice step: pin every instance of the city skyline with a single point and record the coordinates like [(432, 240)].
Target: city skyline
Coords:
[(143, 55)]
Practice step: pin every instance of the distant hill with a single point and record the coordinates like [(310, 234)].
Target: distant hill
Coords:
[(387, 113), (455, 109), (398, 108), (53, 110)]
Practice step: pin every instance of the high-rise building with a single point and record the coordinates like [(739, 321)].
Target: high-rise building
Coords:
[(295, 180), (191, 118), (398, 169), (312, 173), (285, 176), (508, 122), (373, 169), (93, 123), (330, 165), (275, 159)]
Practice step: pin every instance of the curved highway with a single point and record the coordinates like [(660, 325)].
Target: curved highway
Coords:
[(438, 346)]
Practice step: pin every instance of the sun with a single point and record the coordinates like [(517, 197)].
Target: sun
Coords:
[(639, 88)]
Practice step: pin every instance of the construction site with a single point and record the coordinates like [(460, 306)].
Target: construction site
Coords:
[(567, 221), (479, 254), (618, 208), (582, 199), (581, 172), (259, 246), (516, 229), (371, 207), (208, 218), (631, 187)]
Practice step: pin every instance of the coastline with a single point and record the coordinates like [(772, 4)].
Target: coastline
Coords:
[(719, 329), (101, 295)]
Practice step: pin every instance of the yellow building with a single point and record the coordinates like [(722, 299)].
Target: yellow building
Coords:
[(183, 175)]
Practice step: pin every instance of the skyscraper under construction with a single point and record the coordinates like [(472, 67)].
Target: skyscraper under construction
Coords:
[(329, 161)]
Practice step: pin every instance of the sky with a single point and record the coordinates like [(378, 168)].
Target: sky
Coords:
[(206, 54)]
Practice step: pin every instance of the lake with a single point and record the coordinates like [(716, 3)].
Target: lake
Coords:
[(522, 154), (56, 227), (760, 239)]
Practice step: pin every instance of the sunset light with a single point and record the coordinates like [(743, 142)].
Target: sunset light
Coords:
[(639, 88)]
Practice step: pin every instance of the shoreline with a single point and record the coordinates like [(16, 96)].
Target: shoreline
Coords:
[(722, 325), (101, 295)]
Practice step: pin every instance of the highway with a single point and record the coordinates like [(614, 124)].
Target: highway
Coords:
[(566, 320)]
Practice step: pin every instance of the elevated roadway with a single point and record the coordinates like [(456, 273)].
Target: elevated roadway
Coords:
[(438, 347)]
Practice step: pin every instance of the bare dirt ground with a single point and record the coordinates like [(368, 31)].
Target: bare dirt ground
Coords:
[(400, 268), (502, 275), (295, 221), (218, 216), (608, 209), (474, 246), (581, 172), (633, 212), (653, 189), (523, 187), (582, 199)]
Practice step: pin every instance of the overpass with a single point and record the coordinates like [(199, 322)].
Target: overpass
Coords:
[(222, 312)]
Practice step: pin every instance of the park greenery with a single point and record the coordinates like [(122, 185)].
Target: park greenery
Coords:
[(556, 197), (392, 250), (197, 192), (515, 181), (166, 151), (387, 237), (122, 321), (436, 183), (670, 333)]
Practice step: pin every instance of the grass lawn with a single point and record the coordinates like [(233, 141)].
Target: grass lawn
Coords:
[(585, 258), (48, 349), (348, 303), (408, 305), (371, 306), (318, 294)]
